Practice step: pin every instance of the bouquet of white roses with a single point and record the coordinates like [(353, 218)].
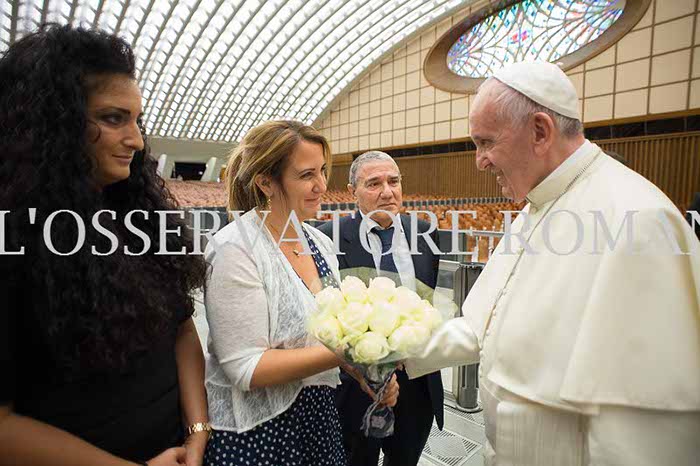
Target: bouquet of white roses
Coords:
[(372, 328)]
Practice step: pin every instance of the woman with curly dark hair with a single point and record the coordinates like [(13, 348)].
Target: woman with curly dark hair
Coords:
[(99, 357)]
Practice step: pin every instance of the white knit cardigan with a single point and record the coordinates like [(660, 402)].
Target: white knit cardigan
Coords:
[(255, 301)]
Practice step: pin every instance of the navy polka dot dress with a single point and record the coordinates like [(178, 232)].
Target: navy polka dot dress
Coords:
[(324, 271), (306, 434)]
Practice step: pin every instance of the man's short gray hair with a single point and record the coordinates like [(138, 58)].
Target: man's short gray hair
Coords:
[(516, 107), (371, 156)]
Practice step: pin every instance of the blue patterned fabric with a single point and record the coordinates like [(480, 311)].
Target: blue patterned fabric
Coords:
[(324, 271), (307, 434)]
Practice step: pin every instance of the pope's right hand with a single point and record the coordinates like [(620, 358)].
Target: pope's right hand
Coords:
[(176, 456)]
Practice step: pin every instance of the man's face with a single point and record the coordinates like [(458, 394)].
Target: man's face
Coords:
[(502, 148), (378, 187)]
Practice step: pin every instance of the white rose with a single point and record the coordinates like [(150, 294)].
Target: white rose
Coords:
[(409, 339), (370, 348), (381, 289), (432, 315), (385, 318), (407, 301), (354, 318), (326, 329), (354, 289), (425, 315), (330, 299)]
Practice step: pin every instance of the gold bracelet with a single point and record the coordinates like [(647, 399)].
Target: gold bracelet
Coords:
[(199, 427)]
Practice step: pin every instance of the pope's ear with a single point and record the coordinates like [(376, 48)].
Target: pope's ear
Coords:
[(351, 190), (544, 130)]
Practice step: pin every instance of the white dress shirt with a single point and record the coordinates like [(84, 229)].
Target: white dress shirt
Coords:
[(399, 247)]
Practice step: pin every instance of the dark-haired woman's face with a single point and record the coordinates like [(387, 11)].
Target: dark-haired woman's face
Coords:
[(113, 132)]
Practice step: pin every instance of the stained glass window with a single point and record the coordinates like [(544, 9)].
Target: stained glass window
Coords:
[(531, 30)]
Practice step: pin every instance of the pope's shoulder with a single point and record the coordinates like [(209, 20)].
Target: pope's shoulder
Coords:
[(615, 187)]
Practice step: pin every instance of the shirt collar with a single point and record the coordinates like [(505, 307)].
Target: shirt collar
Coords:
[(557, 181), (570, 160), (371, 224)]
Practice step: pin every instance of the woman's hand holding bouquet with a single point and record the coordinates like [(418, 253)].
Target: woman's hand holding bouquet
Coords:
[(372, 329)]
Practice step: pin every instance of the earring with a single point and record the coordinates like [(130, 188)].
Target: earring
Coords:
[(269, 203)]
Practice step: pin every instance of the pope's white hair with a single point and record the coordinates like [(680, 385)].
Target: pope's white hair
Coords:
[(516, 107), (371, 156)]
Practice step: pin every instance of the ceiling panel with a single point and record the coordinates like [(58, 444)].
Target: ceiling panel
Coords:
[(213, 69)]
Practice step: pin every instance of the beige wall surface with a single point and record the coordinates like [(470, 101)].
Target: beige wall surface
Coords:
[(670, 161), (653, 69)]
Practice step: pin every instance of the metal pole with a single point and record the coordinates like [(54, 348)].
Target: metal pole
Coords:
[(465, 380)]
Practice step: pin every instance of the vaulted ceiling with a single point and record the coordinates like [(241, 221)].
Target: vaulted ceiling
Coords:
[(213, 69)]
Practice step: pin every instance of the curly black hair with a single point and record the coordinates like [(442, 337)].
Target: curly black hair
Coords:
[(96, 312)]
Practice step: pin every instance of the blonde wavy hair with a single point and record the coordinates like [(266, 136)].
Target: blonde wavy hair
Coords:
[(265, 150)]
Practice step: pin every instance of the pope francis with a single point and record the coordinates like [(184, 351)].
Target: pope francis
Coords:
[(586, 320)]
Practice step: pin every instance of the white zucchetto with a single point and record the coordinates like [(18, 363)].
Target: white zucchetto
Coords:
[(543, 82)]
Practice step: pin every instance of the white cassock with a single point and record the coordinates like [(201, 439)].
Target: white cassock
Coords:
[(585, 359)]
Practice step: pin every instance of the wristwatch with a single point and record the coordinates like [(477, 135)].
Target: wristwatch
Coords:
[(199, 427)]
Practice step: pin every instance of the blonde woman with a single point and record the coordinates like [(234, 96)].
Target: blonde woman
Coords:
[(270, 385)]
